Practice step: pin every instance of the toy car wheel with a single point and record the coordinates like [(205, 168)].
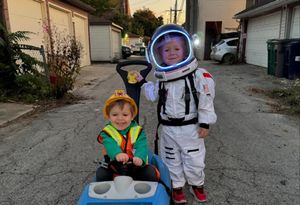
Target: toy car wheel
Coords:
[(228, 59)]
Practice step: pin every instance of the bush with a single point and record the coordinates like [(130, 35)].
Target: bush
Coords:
[(19, 77), (63, 57), (29, 84)]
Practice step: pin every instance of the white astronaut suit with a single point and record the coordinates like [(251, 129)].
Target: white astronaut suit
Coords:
[(181, 148)]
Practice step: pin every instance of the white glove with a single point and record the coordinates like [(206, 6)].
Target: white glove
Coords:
[(149, 91)]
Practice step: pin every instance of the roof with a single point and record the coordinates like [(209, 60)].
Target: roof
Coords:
[(258, 10), (102, 21), (79, 4)]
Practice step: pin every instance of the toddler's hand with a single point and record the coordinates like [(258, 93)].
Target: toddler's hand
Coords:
[(139, 77), (122, 157), (203, 132), (137, 161)]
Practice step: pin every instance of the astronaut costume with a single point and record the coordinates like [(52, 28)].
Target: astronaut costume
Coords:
[(185, 96)]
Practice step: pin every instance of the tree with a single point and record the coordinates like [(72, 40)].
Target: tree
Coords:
[(145, 22), (7, 66), (102, 6), (142, 23), (124, 21)]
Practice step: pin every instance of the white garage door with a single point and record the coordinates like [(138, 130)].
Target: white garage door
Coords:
[(100, 43), (116, 44), (259, 31), (295, 29), (81, 33), (26, 15)]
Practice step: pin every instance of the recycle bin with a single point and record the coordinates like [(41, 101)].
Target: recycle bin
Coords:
[(292, 61), (271, 56)]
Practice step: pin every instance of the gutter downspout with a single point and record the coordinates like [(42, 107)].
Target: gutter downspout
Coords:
[(49, 25)]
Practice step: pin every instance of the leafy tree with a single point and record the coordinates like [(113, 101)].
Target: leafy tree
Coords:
[(145, 22), (102, 6), (142, 23), (7, 67), (124, 21)]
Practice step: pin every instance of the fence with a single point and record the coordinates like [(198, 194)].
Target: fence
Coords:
[(39, 54)]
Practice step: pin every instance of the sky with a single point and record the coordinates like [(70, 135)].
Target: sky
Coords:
[(160, 8)]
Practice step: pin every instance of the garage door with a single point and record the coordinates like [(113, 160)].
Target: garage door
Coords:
[(259, 31), (295, 29), (81, 33), (61, 19), (26, 15), (116, 44), (100, 43)]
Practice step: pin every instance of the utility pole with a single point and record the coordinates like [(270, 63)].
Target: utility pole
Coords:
[(170, 14), (191, 15), (175, 12)]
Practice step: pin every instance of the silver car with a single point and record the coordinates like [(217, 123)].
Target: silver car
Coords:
[(225, 51)]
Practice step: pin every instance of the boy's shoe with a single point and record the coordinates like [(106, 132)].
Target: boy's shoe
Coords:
[(198, 193), (178, 196)]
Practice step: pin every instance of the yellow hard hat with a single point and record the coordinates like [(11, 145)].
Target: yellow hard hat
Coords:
[(119, 95)]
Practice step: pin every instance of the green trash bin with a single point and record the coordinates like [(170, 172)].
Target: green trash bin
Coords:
[(271, 56), (142, 51)]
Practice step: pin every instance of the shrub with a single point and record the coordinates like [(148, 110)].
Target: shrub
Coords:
[(19, 77), (63, 57)]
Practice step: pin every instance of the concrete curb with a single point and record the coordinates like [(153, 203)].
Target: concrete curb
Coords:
[(12, 111)]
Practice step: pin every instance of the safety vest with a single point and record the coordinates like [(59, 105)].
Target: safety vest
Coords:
[(126, 143)]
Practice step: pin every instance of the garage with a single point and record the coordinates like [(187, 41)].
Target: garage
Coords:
[(81, 34), (295, 29), (105, 38), (30, 19), (261, 22), (261, 29), (60, 18)]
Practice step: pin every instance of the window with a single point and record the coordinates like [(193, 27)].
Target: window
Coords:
[(233, 42)]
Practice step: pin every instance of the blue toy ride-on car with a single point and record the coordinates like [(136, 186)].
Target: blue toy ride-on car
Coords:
[(123, 189)]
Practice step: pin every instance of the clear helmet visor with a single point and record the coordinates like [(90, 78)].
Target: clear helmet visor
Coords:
[(171, 49)]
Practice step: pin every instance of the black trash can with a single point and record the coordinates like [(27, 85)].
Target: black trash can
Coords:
[(142, 51), (292, 61), (271, 56), (279, 62)]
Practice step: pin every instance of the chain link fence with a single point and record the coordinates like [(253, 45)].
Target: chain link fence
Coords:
[(39, 54)]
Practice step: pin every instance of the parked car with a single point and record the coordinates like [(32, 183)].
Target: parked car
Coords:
[(225, 51), (126, 52), (136, 48)]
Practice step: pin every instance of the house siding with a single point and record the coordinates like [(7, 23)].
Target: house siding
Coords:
[(295, 26)]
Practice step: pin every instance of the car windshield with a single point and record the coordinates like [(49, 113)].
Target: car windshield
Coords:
[(221, 42)]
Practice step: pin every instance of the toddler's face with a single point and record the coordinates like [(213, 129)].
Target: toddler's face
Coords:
[(121, 117), (173, 51)]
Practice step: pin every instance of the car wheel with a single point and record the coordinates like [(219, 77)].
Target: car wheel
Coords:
[(228, 59)]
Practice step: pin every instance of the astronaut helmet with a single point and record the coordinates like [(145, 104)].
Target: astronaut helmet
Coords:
[(170, 52)]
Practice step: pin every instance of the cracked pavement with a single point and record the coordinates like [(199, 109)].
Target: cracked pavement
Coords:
[(252, 152)]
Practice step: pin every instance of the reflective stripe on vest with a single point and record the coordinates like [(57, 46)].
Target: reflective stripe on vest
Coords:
[(132, 136)]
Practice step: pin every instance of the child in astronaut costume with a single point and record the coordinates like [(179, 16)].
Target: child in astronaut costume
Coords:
[(185, 96)]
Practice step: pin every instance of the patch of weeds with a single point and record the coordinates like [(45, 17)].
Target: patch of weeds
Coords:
[(288, 97)]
